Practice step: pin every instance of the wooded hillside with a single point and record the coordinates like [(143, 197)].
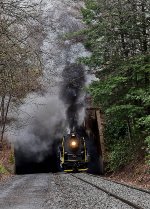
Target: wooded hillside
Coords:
[(21, 34), (117, 35)]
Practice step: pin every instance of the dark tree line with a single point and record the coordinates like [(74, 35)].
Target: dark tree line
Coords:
[(118, 35)]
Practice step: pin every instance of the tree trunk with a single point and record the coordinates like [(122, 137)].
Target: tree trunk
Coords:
[(2, 110), (129, 131), (5, 117)]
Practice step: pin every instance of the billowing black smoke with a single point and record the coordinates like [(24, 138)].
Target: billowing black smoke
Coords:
[(72, 85)]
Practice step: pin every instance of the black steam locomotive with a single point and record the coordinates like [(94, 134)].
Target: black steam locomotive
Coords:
[(73, 153)]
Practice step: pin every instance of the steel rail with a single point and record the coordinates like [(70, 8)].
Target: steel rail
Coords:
[(123, 184), (109, 193)]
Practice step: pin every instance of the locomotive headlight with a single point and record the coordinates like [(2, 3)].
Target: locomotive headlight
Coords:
[(73, 143)]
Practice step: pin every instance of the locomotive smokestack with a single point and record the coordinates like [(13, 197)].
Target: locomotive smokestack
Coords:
[(73, 81)]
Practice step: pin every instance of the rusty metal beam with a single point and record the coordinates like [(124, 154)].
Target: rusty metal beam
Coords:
[(101, 134)]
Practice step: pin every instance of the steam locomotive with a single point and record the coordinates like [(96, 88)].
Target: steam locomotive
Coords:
[(73, 153)]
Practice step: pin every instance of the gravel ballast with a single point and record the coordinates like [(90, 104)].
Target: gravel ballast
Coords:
[(139, 198), (54, 191)]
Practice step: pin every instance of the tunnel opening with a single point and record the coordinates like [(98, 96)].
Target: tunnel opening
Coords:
[(27, 163)]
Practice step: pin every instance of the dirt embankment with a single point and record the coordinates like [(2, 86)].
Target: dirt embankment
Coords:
[(136, 174), (6, 162)]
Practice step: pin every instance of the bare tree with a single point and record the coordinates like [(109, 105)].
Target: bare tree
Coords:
[(21, 36)]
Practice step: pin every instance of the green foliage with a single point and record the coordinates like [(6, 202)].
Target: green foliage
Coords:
[(144, 122), (117, 30), (3, 169), (147, 140), (121, 154), (124, 97), (117, 36), (89, 11)]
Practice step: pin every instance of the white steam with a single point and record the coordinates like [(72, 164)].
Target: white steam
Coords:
[(42, 120)]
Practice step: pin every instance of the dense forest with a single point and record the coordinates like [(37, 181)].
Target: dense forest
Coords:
[(117, 35)]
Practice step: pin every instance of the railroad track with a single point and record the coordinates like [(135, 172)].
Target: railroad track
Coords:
[(131, 204), (119, 183)]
